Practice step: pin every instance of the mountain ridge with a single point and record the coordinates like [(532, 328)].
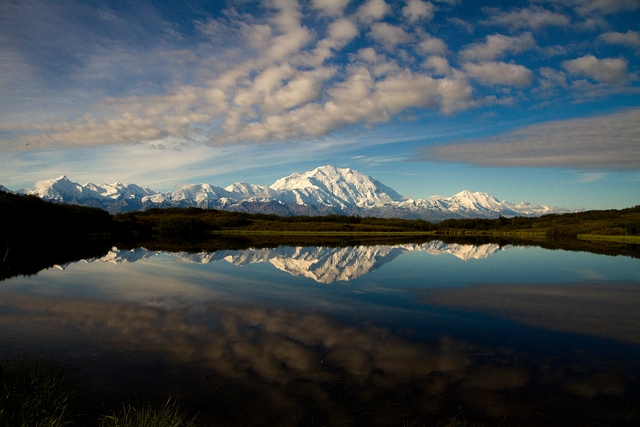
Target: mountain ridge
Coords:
[(324, 190)]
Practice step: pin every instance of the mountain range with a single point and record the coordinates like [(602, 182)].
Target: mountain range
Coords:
[(323, 191), (321, 264)]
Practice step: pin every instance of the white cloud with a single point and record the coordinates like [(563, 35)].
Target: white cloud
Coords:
[(288, 43), (606, 142), (303, 88), (331, 7), (587, 7), (500, 73), (467, 26), (373, 10), (608, 70), (588, 177), (340, 33), (497, 45), (368, 54), (630, 38), (360, 98), (389, 35), (416, 10), (258, 35), (88, 131), (438, 64), (533, 18), (432, 45), (551, 79)]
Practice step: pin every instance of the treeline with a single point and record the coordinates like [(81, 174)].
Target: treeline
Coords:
[(35, 234), (195, 221), (30, 216), (604, 222)]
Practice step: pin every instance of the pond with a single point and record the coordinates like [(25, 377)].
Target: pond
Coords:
[(383, 335)]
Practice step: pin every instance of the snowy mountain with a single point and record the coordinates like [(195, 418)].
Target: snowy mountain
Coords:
[(117, 197), (330, 186), (322, 191)]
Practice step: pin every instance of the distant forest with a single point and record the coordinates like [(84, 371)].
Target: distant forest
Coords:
[(31, 216)]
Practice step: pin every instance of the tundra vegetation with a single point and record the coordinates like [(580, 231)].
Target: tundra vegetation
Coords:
[(624, 222)]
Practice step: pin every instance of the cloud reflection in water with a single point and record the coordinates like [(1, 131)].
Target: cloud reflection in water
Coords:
[(605, 310), (246, 364)]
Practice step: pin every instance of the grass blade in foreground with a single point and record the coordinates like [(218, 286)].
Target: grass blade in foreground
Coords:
[(169, 414)]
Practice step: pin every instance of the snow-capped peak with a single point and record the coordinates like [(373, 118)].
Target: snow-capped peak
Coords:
[(124, 191), (60, 189), (5, 189), (475, 200), (336, 187), (245, 190)]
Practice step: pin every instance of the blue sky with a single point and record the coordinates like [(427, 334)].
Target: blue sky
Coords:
[(534, 101)]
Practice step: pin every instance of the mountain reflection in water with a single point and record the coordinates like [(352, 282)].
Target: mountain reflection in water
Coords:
[(322, 264), (416, 333)]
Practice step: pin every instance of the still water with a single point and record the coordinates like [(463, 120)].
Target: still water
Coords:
[(386, 335)]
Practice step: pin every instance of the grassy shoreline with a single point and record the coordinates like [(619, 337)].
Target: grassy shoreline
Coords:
[(481, 233), (606, 238), (241, 232), (449, 233)]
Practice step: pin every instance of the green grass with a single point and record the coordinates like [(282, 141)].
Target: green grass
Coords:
[(454, 232), (601, 237), (169, 414), (446, 422), (34, 395), (319, 233)]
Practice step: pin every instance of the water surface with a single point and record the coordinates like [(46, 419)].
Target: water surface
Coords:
[(406, 334)]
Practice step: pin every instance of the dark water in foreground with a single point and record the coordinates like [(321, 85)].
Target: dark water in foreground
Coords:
[(382, 335)]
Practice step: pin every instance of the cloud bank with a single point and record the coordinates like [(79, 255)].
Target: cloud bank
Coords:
[(286, 70), (598, 143)]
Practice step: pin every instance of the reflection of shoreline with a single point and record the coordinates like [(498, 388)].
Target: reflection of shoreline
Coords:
[(607, 311), (247, 364), (322, 264)]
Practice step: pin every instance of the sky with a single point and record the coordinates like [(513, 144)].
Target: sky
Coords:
[(535, 101)]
